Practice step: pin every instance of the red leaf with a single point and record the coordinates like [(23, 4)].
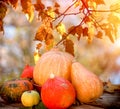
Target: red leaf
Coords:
[(69, 46), (85, 31), (14, 3)]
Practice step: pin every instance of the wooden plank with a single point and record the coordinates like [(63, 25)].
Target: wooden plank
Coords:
[(106, 101)]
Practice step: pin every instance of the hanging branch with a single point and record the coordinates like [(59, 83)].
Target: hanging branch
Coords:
[(71, 31)]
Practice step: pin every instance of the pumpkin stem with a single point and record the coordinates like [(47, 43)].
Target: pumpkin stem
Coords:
[(52, 76)]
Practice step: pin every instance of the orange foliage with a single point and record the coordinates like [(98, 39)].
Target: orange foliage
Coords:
[(52, 20)]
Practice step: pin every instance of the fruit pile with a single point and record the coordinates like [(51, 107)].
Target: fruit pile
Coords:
[(57, 80)]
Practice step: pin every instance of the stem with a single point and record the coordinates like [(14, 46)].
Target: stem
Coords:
[(65, 10)]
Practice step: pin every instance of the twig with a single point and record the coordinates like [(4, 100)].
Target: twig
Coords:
[(63, 14)]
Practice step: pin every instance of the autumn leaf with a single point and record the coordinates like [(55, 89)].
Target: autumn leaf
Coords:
[(78, 3), (44, 33), (111, 88), (115, 7), (79, 31), (50, 12), (91, 31), (85, 31), (114, 18), (98, 2), (92, 5), (69, 46), (109, 32), (28, 9), (14, 3), (99, 34), (39, 6), (36, 56), (61, 28), (1, 25), (72, 30), (76, 30), (3, 10)]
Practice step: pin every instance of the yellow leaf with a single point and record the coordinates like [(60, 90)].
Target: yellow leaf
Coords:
[(28, 9), (61, 28), (91, 31), (115, 7), (78, 3), (92, 5), (50, 12), (36, 56)]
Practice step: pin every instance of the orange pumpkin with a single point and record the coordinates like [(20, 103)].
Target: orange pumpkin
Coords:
[(88, 86), (54, 61), (57, 93)]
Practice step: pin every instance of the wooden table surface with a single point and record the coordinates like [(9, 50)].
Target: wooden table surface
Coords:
[(106, 101)]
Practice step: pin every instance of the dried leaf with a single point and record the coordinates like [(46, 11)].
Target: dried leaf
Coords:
[(49, 39), (56, 5), (72, 30), (115, 7), (109, 31), (61, 28), (50, 12), (39, 6), (98, 2), (69, 46), (1, 25), (85, 31), (38, 46), (78, 3), (91, 31), (114, 18), (36, 56), (14, 3), (109, 87), (28, 9), (99, 34), (79, 31), (3, 10), (41, 34), (92, 5), (44, 32)]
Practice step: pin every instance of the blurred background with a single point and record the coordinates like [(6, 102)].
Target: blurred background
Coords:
[(17, 48)]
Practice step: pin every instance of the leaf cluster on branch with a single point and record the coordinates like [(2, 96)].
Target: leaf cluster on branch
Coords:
[(91, 22)]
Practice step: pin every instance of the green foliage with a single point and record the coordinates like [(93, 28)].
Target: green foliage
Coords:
[(39, 106)]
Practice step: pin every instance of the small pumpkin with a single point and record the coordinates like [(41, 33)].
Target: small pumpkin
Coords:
[(53, 61), (27, 72), (57, 93), (88, 86), (12, 90)]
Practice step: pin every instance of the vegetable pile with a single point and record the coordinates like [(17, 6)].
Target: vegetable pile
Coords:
[(57, 80)]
